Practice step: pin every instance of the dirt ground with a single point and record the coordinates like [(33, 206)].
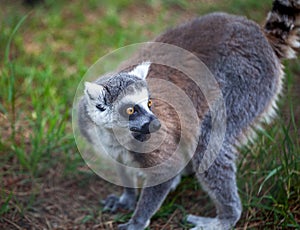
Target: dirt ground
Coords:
[(75, 203)]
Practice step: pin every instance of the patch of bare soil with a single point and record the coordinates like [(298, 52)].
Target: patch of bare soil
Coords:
[(55, 201), (69, 203)]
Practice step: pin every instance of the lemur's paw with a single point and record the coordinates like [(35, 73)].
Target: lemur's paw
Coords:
[(112, 203), (128, 227), (205, 223), (131, 226), (123, 226)]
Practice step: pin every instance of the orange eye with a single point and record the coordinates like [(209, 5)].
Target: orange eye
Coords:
[(130, 111), (150, 103)]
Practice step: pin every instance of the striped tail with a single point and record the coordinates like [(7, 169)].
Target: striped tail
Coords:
[(282, 28)]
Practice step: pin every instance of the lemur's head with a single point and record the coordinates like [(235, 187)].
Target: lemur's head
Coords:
[(123, 100)]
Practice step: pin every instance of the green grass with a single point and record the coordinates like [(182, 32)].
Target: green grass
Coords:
[(269, 177), (46, 50)]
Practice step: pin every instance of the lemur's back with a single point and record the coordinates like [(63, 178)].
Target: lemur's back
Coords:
[(241, 59)]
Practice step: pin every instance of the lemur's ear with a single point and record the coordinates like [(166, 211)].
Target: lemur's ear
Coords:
[(141, 71), (93, 91)]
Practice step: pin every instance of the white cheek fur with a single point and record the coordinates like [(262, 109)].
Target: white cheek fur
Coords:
[(101, 118)]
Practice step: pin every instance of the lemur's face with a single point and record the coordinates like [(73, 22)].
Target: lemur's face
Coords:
[(135, 110), (131, 111), (119, 106)]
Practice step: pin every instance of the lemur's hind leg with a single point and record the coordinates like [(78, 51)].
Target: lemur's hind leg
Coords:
[(220, 183)]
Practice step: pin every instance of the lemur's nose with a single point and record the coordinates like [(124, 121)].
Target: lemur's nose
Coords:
[(154, 125)]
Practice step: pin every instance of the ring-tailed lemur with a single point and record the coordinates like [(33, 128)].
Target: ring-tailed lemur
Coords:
[(244, 58)]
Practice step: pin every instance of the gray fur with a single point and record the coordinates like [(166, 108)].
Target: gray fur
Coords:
[(247, 67)]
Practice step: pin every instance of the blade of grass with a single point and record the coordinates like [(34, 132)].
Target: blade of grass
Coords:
[(11, 76), (5, 204), (270, 174)]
